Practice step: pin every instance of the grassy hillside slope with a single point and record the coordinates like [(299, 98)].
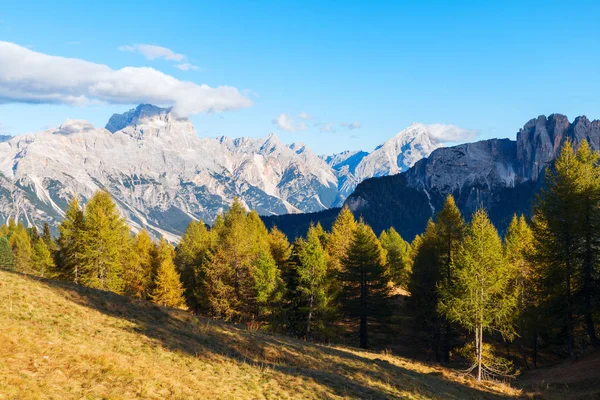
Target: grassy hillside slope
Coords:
[(64, 341)]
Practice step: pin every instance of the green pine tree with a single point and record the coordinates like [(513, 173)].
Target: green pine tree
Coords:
[(423, 286), (518, 246), (7, 259), (168, 290), (21, 244), (43, 262), (397, 256), (588, 178), (104, 234), (281, 251), (47, 238), (279, 246), (268, 284), (556, 226), (137, 263), (340, 238), (191, 253), (70, 243), (450, 230), (480, 297), (365, 291), (233, 278), (313, 282)]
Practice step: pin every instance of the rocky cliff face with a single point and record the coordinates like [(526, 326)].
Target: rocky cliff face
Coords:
[(499, 174), (162, 175), (540, 140)]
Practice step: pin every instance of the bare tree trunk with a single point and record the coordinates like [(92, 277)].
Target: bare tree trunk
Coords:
[(310, 312), (587, 281), (570, 320), (535, 342), (363, 311), (446, 354), (479, 352)]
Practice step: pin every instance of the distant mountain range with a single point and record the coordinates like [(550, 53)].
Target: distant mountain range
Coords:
[(163, 175), (501, 175)]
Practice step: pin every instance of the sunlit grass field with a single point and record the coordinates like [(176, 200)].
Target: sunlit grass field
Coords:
[(63, 341)]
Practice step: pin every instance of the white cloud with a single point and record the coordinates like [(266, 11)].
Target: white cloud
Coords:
[(287, 123), (187, 67), (351, 125), (305, 116), (27, 76), (152, 52), (325, 126), (451, 133)]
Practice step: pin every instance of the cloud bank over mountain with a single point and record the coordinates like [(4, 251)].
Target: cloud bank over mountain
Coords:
[(27, 76)]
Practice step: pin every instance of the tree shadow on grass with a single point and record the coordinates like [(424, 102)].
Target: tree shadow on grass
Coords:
[(342, 372)]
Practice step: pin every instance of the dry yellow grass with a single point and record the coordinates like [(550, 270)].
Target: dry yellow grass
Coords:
[(63, 341), (578, 379)]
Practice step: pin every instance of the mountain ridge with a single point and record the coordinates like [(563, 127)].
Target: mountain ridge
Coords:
[(502, 175), (163, 175)]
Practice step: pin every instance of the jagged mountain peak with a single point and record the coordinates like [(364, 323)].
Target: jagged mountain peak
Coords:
[(298, 147), (271, 142), (416, 130), (163, 175), (142, 112)]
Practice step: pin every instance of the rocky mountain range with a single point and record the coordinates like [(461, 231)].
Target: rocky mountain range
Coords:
[(162, 175), (501, 175)]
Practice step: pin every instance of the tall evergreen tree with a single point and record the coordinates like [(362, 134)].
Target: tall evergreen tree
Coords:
[(268, 285), (239, 262), (450, 230), (313, 286), (12, 225), (138, 266), (397, 256), (481, 297), (365, 293), (70, 242), (191, 253), (423, 286), (34, 235), (105, 231), (43, 263), (518, 246), (21, 244), (168, 290), (47, 238), (4, 230), (556, 224), (7, 259), (279, 246), (588, 178), (340, 238), (281, 251)]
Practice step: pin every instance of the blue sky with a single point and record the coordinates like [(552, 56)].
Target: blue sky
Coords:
[(488, 66)]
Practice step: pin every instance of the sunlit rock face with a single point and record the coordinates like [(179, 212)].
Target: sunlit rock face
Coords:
[(162, 175), (500, 175)]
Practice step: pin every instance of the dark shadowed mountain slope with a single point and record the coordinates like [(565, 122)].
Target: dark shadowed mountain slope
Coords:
[(501, 175)]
